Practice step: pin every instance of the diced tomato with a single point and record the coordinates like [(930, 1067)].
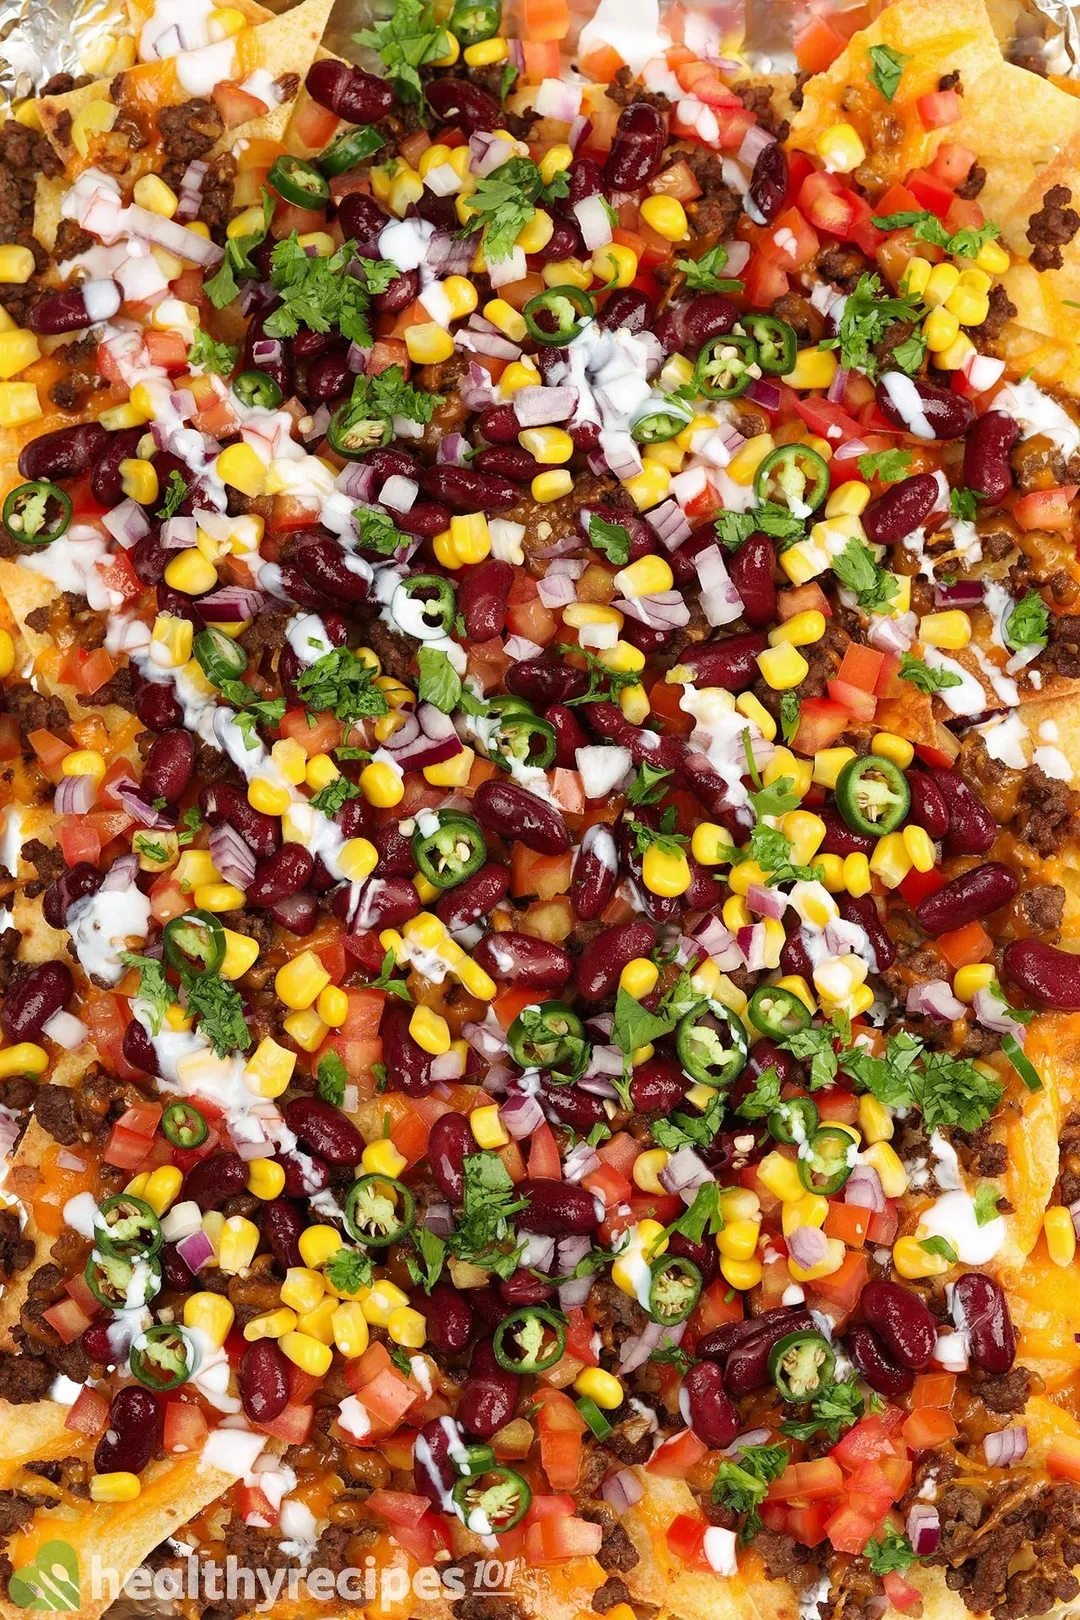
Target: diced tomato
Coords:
[(686, 1541), (68, 1318), (848, 1223), (860, 666), (849, 1531), (1045, 508), (79, 840), (544, 876), (897, 200), (808, 1481), (938, 108), (89, 1412), (86, 671), (385, 353), (509, 1003), (807, 1524), (674, 1458), (677, 180), (399, 1507), (579, 1337), (831, 421), (235, 105), (965, 945), (917, 885), (130, 1139), (844, 1286), (820, 723), (256, 1507), (884, 1224), (928, 1428), (952, 162), (557, 1506), (1063, 1457), (818, 45), (546, 19), (544, 1160), (560, 1458), (50, 752), (541, 59), (387, 1397), (803, 599), (293, 1425), (827, 202), (620, 1151), (607, 1184), (838, 1106), (553, 1540), (120, 576), (859, 704), (185, 1427), (319, 738), (900, 1593), (790, 242), (933, 1389), (866, 1442), (532, 620), (930, 192), (964, 215), (763, 281), (169, 350)]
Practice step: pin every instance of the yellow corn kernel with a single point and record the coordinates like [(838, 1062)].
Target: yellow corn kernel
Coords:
[(157, 851), (781, 1176), (832, 867), (834, 1259), (968, 308), (746, 461), (268, 797), (116, 1487), (993, 258), (666, 216), (856, 875), (428, 343), (848, 500), (239, 1241), (194, 867), (306, 1028), (271, 1325), (83, 762), (219, 897), (358, 858), (976, 976), (646, 1170), (556, 160), (840, 148), (916, 275), (951, 629), (665, 871), (594, 1384), (319, 771), (638, 978), (332, 1006), (488, 1128), (266, 1179), (452, 772), (734, 910), (191, 573), (307, 1353), (430, 1030), (318, 1244), (920, 848), (741, 1274), (809, 1210), (509, 320), (240, 467), (7, 654), (712, 844), (801, 630), (350, 1329), (551, 486), (805, 832), (887, 745), (299, 982), (705, 980), (303, 1288), (162, 1186), (460, 293), (837, 978), (912, 1261), (406, 187), (212, 1314), (407, 1327), (170, 641), (957, 355), (782, 667), (829, 763), (634, 703), (380, 1301), (535, 236), (614, 264), (940, 328), (738, 1240), (270, 1068), (245, 223), (889, 1166), (16, 264), (890, 861), (941, 284), (381, 785), (318, 1322), (18, 350), (518, 374), (622, 657), (875, 1120), (1060, 1235), (550, 445), (487, 52), (290, 760), (646, 577), (813, 368)]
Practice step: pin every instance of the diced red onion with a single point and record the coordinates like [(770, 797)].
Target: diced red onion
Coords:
[(1006, 1446), (622, 456), (191, 185), (924, 1528), (357, 481), (178, 533), (665, 609), (597, 1086), (1074, 1211), (751, 942), (851, 450), (195, 1250), (754, 143), (685, 1172), (991, 1014), (66, 1030), (70, 1161), (560, 548), (357, 358), (489, 343), (580, 130), (620, 1491), (249, 1138), (605, 1059), (439, 1219), (476, 389), (765, 901), (766, 394), (892, 635), (232, 855), (487, 153), (582, 1160), (555, 98), (519, 648), (172, 236), (139, 810), (720, 601), (536, 407), (502, 271), (637, 1350), (964, 593), (232, 604), (539, 1252), (837, 388), (935, 1000), (453, 450), (670, 523), (489, 1043), (863, 1189), (556, 590), (573, 1295), (570, 1251), (593, 221), (749, 1437), (75, 795), (522, 1114), (572, 567), (448, 254), (127, 523), (808, 1246)]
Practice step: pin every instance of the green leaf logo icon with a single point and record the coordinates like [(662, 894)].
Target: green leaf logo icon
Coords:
[(50, 1582)]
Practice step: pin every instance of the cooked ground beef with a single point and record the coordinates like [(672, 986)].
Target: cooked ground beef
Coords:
[(1051, 228), (39, 618), (24, 1379), (37, 1338), (625, 90), (1063, 652), (1009, 1393), (613, 1591), (758, 98), (34, 712), (896, 333), (973, 184), (121, 689), (190, 130), (979, 1154), (631, 1437), (1048, 812), (16, 1510), (800, 314), (213, 765), (980, 1544), (1069, 1161), (617, 1551), (16, 1251), (396, 650), (1042, 907), (47, 860), (1002, 309), (717, 211), (9, 945), (843, 266), (787, 1560), (265, 630)]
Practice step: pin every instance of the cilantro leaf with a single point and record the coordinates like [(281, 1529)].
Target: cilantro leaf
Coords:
[(367, 420), (742, 1486), (348, 1270), (378, 532), (867, 316), (635, 1025), (336, 793), (191, 820), (604, 684), (962, 504), (378, 274), (440, 682), (888, 68), (210, 355), (942, 1246), (219, 1007), (764, 1097), (892, 1552), (952, 1091), (790, 710), (775, 799), (175, 496), (670, 1355), (1028, 625), (833, 1409), (887, 465), (488, 1202), (154, 988), (409, 40), (332, 1076), (317, 293), (610, 538), (703, 275), (986, 1203), (432, 1252), (342, 683), (504, 201), (926, 227), (777, 522), (221, 288), (858, 570), (386, 980), (649, 785), (259, 712), (689, 1130), (664, 837), (817, 1044), (926, 679)]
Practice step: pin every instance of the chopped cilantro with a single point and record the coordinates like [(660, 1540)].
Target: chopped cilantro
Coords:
[(926, 227), (154, 988), (219, 1007), (858, 570), (790, 710), (887, 465), (893, 1552), (635, 1025), (221, 288), (941, 1246), (317, 293), (380, 398), (440, 683), (649, 785), (332, 1076), (488, 1202), (833, 1409), (689, 1130), (926, 679), (432, 1252), (764, 1097), (387, 982), (962, 504), (378, 532), (191, 821), (986, 1203), (742, 1486), (817, 1044), (664, 837), (336, 793), (703, 275), (604, 684), (210, 355), (777, 522), (378, 274), (1028, 625), (888, 68), (867, 316), (143, 844), (175, 496), (504, 202), (341, 683), (348, 1270), (408, 41), (258, 712), (610, 538), (670, 1355)]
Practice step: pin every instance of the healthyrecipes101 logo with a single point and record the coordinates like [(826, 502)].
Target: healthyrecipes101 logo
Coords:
[(51, 1581)]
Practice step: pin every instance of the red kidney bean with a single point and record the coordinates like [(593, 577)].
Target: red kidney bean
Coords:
[(981, 1310), (380, 903), (328, 376), (179, 605), (222, 803), (746, 1362), (325, 1130), (586, 179), (176, 1275), (948, 415), (395, 851), (1047, 976), (326, 565), (556, 1208), (282, 1224), (987, 469), (67, 311), (149, 558), (596, 870), (280, 874), (525, 1289), (210, 1182), (434, 1472), (356, 96), (660, 908), (768, 183), (637, 150), (512, 811), (581, 1110), (542, 680), (499, 424), (450, 1321), (169, 766), (507, 461), (563, 243), (902, 1321), (481, 598), (491, 1393), (586, 435), (438, 210), (138, 1048), (928, 808), (569, 734), (647, 638), (269, 354), (471, 900), (133, 1432), (405, 1059), (972, 829), (390, 461), (731, 664), (710, 1411), (105, 482), (295, 588), (629, 308), (966, 898), (74, 884), (794, 956), (424, 520), (95, 1339), (766, 1054), (705, 891), (66, 453), (361, 217), (658, 1086), (610, 724), (874, 1361), (34, 996), (901, 509), (456, 102), (603, 958), (863, 910), (467, 490), (522, 959), (157, 707), (840, 839), (682, 561), (263, 1381), (299, 913), (450, 1143), (304, 1174), (306, 345), (702, 1255), (753, 574), (707, 316), (399, 295), (717, 1345)]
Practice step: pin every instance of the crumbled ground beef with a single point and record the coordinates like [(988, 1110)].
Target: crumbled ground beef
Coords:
[(617, 1551), (37, 1338), (213, 765), (718, 209), (256, 924), (1069, 1157), (631, 1437), (9, 945), (121, 689), (973, 184), (39, 618), (1042, 907), (396, 650), (979, 1545), (35, 712), (1002, 309), (190, 130), (47, 860), (16, 1251), (1009, 1393), (896, 333), (800, 314), (24, 1379), (1051, 227), (16, 1510), (979, 1154), (613, 1591), (625, 90), (1063, 651), (1048, 813), (843, 266), (758, 98), (787, 1559), (266, 630)]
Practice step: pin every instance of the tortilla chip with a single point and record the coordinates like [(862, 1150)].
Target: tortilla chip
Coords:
[(33, 1432)]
